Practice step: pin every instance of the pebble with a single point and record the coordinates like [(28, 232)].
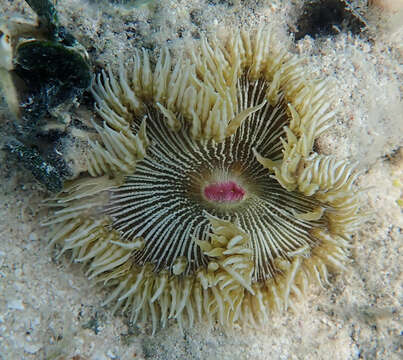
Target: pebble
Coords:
[(388, 5), (32, 236), (15, 304), (111, 354), (32, 348)]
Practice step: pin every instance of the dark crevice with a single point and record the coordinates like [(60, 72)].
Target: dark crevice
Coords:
[(327, 18)]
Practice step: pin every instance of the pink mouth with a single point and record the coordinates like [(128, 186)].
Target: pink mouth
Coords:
[(228, 191)]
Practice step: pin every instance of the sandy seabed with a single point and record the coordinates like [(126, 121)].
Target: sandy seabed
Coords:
[(49, 310)]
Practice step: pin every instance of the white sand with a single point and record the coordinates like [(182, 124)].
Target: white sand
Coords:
[(48, 309)]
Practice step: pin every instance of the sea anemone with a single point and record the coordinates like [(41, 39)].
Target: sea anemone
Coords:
[(204, 198)]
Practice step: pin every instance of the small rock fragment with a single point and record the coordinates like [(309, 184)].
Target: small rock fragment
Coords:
[(15, 304)]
